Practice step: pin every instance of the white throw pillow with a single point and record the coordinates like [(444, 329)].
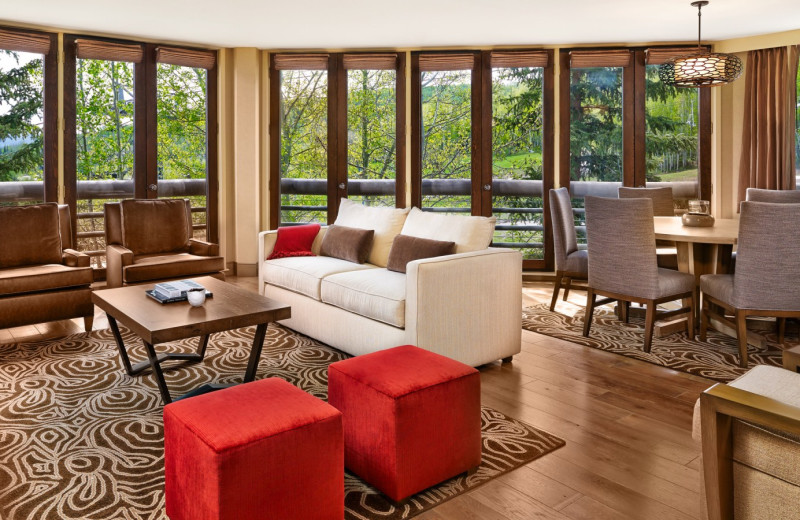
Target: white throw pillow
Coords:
[(469, 233), (387, 223)]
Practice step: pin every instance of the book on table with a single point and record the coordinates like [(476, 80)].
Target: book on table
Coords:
[(169, 292)]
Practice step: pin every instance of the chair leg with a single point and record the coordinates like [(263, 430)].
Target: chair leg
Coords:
[(690, 323), (741, 335), (704, 319), (626, 311), (556, 289), (781, 330), (88, 321), (587, 317), (567, 287), (649, 324)]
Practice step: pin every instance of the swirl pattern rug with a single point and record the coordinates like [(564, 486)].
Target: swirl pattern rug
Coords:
[(80, 439), (716, 359)]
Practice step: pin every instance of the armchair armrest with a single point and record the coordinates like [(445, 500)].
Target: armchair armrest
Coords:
[(202, 248), (466, 301), (72, 258), (117, 257)]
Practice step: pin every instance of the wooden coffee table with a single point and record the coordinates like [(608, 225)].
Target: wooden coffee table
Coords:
[(229, 308)]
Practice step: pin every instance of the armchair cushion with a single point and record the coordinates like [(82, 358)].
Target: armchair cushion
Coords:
[(182, 265), (155, 226), (37, 278), (30, 235)]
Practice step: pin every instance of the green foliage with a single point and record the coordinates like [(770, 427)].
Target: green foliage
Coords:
[(181, 113), (21, 114)]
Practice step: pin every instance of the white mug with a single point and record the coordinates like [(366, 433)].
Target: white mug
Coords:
[(196, 297)]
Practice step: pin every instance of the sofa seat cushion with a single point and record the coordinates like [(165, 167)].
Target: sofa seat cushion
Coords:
[(377, 294), (36, 278), (182, 265), (304, 274)]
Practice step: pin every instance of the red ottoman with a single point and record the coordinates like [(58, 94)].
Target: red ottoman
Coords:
[(411, 418), (260, 450)]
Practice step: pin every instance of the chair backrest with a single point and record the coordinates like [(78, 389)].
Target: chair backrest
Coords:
[(776, 196), (663, 203), (768, 257), (622, 246), (149, 226), (65, 225), (565, 240), (30, 235)]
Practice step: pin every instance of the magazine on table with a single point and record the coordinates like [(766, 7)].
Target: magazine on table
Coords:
[(169, 292)]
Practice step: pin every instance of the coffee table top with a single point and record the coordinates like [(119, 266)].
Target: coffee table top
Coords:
[(230, 308)]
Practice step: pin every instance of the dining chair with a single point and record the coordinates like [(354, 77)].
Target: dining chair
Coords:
[(776, 196), (622, 265), (571, 262), (663, 206), (767, 270)]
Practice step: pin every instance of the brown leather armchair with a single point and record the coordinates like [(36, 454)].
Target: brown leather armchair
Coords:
[(151, 240), (41, 277)]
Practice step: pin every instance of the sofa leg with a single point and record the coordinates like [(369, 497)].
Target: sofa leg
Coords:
[(507, 359), (88, 321)]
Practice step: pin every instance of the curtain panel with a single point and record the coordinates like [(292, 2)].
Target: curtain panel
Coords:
[(768, 131)]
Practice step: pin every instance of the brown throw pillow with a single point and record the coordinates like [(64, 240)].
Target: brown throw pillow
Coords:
[(406, 248), (346, 243)]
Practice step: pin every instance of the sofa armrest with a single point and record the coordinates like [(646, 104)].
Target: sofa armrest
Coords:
[(266, 243), (72, 258), (202, 248), (466, 301), (117, 257)]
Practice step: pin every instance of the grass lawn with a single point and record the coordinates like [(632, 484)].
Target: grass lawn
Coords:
[(685, 175)]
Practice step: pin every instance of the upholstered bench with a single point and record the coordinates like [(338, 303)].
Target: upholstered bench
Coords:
[(261, 450), (411, 418)]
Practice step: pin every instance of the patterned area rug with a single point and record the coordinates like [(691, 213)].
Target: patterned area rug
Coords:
[(80, 439), (715, 359)]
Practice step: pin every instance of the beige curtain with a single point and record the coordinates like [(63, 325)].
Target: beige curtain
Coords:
[(769, 120)]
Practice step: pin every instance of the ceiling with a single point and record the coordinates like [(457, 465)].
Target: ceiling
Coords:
[(351, 24)]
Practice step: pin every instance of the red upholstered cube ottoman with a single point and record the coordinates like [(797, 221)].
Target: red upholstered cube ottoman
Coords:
[(262, 450), (411, 418)]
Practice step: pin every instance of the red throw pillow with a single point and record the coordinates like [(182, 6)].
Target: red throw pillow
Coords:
[(294, 241)]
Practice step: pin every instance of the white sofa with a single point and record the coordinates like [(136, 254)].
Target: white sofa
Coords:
[(465, 306)]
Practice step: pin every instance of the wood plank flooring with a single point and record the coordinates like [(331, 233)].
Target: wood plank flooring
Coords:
[(629, 452)]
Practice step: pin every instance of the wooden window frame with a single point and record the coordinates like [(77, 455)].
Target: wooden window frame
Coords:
[(337, 179), (145, 161), (49, 100)]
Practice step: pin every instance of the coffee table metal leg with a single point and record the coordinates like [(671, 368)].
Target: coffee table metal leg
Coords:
[(255, 352), (126, 362), (156, 364), (202, 343)]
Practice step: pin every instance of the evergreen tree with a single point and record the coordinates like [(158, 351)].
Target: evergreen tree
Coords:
[(21, 112)]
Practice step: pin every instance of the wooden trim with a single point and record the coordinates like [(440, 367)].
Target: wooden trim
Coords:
[(416, 131), (140, 131), (212, 155), (335, 120), (639, 123), (482, 174), (274, 144), (100, 49), (23, 40), (628, 125), (186, 57), (151, 130), (565, 77), (50, 130), (400, 132), (704, 146), (70, 133), (548, 163)]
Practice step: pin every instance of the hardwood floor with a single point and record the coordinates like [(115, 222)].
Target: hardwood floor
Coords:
[(629, 452)]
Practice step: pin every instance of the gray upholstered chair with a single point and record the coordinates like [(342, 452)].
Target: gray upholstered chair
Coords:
[(663, 206), (571, 262), (767, 270), (776, 196), (622, 263)]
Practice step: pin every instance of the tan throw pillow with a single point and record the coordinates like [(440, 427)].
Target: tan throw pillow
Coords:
[(155, 226), (407, 248), (347, 243), (30, 235), (387, 223)]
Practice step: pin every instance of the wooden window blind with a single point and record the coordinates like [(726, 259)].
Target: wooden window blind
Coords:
[(520, 58), (659, 55), (301, 62), (434, 62), (370, 61), (23, 41), (599, 58), (197, 58), (101, 50)]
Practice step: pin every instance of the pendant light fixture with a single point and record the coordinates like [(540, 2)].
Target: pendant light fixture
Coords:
[(701, 68)]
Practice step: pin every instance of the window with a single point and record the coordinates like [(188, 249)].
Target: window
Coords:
[(27, 117), (337, 130)]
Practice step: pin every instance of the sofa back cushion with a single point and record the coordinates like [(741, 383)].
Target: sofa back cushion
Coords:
[(387, 223), (30, 235), (346, 243), (406, 249), (155, 226), (469, 233)]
